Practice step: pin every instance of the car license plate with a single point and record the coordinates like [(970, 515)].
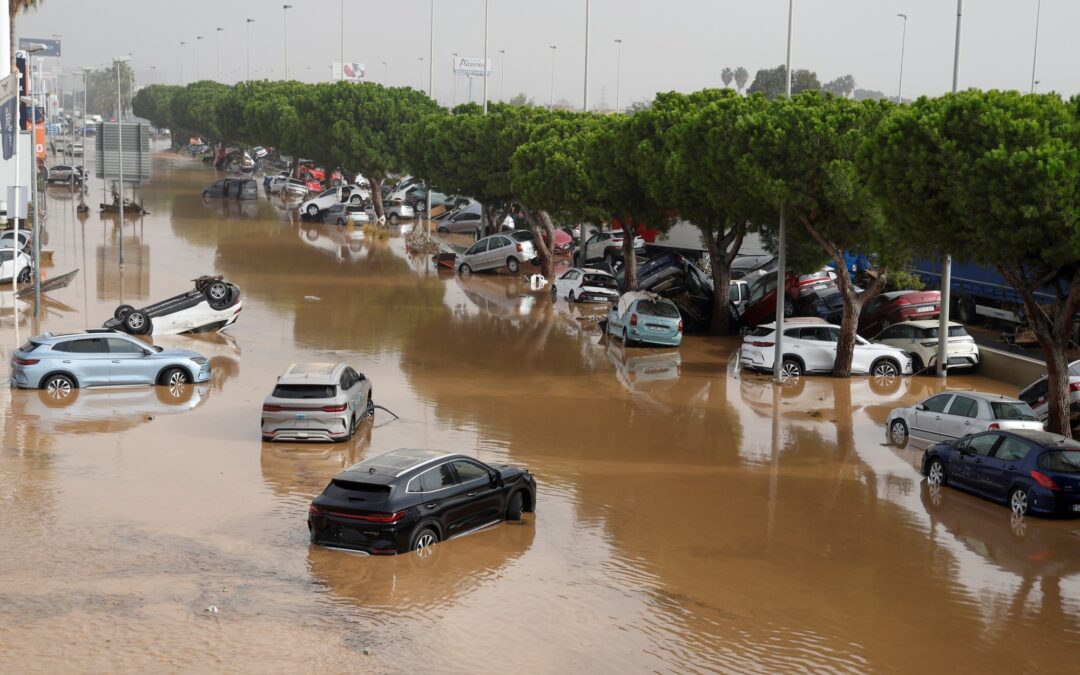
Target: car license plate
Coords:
[(301, 416), (924, 309)]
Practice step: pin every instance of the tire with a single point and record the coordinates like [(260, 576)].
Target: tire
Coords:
[(609, 260), (791, 368), (571, 297), (513, 265), (123, 310), (554, 294), (885, 368), (422, 539), (442, 229), (370, 408), (935, 473), (206, 195), (355, 199), (464, 269), (917, 366), (136, 323), (514, 506), (24, 275), (789, 308), (965, 311), (58, 387), (393, 219), (1019, 502), (627, 342), (340, 222), (174, 377), (898, 433), (313, 211), (217, 295)]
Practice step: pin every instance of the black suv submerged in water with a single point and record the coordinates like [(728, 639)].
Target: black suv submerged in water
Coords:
[(406, 500)]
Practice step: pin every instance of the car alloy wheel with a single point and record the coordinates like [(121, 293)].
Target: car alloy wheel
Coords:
[(175, 378), (218, 291), (936, 474), (135, 322), (790, 370), (465, 270), (554, 293), (24, 275), (513, 265), (1018, 502), (885, 370), (313, 210), (58, 387), (898, 433), (393, 219), (425, 541)]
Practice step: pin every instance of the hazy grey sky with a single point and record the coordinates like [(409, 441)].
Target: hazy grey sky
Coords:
[(667, 44)]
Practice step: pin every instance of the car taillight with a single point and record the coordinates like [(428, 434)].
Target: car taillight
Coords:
[(633, 319), (271, 408), (397, 202), (1074, 386), (371, 517), (1044, 480), (994, 426), (314, 510), (25, 362), (680, 326), (519, 249), (761, 344), (335, 408)]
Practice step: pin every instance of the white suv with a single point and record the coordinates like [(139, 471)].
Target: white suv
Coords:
[(810, 347), (1036, 395)]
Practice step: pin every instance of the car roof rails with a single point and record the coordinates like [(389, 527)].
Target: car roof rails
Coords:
[(100, 330)]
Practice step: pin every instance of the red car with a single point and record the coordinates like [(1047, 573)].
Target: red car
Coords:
[(889, 308), (761, 300)]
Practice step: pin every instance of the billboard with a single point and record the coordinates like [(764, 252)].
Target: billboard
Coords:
[(472, 67), (52, 47), (354, 72)]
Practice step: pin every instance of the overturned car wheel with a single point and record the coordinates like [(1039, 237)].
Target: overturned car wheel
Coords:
[(217, 294), (136, 323), (122, 311)]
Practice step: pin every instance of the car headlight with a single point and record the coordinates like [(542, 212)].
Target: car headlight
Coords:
[(201, 360)]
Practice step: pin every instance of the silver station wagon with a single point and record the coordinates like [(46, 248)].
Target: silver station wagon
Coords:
[(508, 249), (316, 402)]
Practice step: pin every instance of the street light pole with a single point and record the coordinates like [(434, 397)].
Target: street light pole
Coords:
[(551, 97), (247, 47), (585, 97), (502, 77), (453, 75), (218, 31), (618, 73), (487, 3), (285, 35), (120, 152), (781, 254), (946, 264), (341, 40), (1035, 51), (386, 73), (36, 233), (182, 43), (198, 48), (903, 42)]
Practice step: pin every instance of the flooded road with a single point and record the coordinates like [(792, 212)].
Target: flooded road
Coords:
[(689, 518)]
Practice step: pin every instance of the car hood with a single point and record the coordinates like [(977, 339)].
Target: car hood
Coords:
[(170, 352), (600, 289)]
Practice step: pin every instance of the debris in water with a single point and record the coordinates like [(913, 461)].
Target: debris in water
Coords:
[(312, 298), (367, 652), (212, 609)]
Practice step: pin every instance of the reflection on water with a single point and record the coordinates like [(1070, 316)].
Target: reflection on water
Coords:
[(691, 517)]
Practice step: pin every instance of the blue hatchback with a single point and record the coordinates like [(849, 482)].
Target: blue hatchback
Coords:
[(1032, 471), (645, 318), (59, 363)]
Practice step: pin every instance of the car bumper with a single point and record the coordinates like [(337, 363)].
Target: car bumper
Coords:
[(338, 530), (653, 337), (1054, 503), (292, 427)]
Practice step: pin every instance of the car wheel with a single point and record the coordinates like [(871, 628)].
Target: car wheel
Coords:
[(423, 540), (393, 219), (571, 297), (554, 293), (965, 311), (789, 308), (898, 433), (340, 221), (513, 265), (58, 387), (370, 409), (442, 229), (790, 369), (24, 275), (464, 270), (206, 195), (1018, 501), (355, 199), (313, 210), (935, 473), (174, 377), (122, 311), (917, 366), (627, 342), (514, 506), (136, 323), (217, 294), (885, 369)]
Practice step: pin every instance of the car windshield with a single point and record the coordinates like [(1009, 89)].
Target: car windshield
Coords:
[(761, 331), (600, 280), (1074, 369), (655, 308), (522, 235), (305, 391), (1009, 410), (6, 255), (954, 331), (1061, 461)]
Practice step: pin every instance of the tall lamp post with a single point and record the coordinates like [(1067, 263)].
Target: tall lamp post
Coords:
[(502, 76), (182, 43), (386, 73), (618, 73), (585, 96), (1035, 51), (453, 76), (36, 236), (341, 38), (217, 32), (551, 96), (903, 41), (120, 153), (946, 264), (247, 47), (198, 48), (285, 35), (430, 88), (781, 253), (487, 3)]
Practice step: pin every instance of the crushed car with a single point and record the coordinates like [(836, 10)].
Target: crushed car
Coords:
[(213, 305)]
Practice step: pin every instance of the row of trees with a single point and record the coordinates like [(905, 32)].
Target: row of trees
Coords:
[(990, 177)]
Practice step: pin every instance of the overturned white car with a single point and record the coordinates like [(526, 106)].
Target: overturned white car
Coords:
[(212, 306)]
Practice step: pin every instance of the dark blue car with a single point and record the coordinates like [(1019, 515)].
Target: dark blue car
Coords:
[(1032, 471)]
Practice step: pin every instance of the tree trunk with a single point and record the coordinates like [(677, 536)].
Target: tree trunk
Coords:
[(538, 223), (722, 251), (1057, 395), (629, 260), (376, 195), (849, 322)]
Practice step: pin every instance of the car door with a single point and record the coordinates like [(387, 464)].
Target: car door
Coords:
[(447, 499), (1000, 468), (926, 420), (472, 255), (128, 363), (497, 252), (484, 503), (1036, 397), (89, 360), (956, 420), (817, 346), (970, 468)]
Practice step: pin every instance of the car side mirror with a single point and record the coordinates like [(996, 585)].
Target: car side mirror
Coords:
[(496, 479), (146, 352)]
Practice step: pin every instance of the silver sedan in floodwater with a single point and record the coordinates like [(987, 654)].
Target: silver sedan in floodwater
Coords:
[(316, 402)]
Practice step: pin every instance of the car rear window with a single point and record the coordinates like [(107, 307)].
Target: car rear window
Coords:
[(357, 492), (1061, 461), (661, 309), (29, 346), (600, 280), (6, 255), (954, 331), (305, 391), (761, 331), (1007, 410), (522, 235)]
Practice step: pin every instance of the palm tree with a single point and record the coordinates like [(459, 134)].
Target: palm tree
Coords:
[(741, 76), (727, 75), (16, 7)]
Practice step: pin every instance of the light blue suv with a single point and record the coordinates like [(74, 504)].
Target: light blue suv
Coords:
[(644, 318), (61, 362)]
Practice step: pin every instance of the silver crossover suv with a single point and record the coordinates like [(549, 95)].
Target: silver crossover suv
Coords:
[(496, 251), (60, 362), (316, 402)]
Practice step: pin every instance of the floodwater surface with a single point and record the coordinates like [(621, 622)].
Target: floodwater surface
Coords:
[(690, 517)]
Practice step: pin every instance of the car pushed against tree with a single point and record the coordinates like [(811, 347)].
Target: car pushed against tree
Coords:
[(641, 318), (406, 500), (810, 347)]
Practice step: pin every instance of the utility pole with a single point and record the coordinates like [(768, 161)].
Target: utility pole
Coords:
[(217, 32), (502, 77), (120, 152), (551, 97), (487, 3), (285, 33), (1035, 51), (585, 97), (946, 264), (247, 47), (618, 74), (781, 254), (903, 42)]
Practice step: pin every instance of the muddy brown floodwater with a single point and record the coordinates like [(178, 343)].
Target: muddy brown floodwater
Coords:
[(686, 520)]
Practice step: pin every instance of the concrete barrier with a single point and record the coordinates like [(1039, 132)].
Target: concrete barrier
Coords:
[(1011, 368)]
